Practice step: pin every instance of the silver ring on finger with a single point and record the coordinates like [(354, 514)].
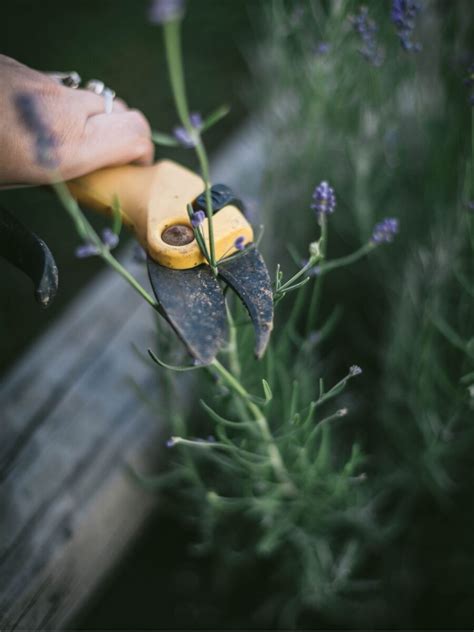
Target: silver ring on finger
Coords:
[(70, 79), (98, 87)]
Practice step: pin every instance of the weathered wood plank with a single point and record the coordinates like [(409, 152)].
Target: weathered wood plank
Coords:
[(65, 475), (69, 424)]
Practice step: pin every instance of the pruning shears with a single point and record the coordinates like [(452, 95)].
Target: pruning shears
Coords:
[(153, 204)]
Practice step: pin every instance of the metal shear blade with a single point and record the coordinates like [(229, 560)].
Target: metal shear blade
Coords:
[(193, 303)]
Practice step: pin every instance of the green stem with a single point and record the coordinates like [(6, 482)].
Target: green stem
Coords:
[(204, 165), (349, 259), (273, 452), (234, 362), (87, 233), (172, 37), (315, 296), (298, 275)]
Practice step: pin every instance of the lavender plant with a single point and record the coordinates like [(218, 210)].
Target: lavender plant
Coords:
[(373, 132)]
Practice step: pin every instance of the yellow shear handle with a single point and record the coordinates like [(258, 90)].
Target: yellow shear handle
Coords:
[(153, 199)]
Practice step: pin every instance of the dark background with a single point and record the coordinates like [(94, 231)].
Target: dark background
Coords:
[(113, 41)]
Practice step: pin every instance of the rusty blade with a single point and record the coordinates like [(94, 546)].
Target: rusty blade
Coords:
[(248, 276), (193, 303)]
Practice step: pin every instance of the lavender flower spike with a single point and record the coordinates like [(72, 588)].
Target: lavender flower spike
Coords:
[(162, 11), (324, 199), (385, 231), (367, 30), (403, 15), (45, 142)]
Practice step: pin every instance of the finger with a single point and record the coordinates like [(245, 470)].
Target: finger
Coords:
[(92, 104), (115, 139), (119, 105), (89, 102)]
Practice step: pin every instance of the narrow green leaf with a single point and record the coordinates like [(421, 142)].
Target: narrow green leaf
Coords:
[(172, 367), (241, 425), (291, 288), (215, 117), (164, 139), (310, 415), (294, 399), (267, 391)]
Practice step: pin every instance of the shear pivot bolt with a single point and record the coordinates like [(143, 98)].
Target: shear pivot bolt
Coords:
[(178, 235)]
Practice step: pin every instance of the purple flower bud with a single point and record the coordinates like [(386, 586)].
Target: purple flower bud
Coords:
[(171, 442), (324, 199), (45, 141), (385, 231), (196, 120), (162, 11), (239, 243), (322, 48), (110, 238), (183, 137), (86, 250), (197, 218)]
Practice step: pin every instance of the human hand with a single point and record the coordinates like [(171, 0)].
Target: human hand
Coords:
[(87, 138)]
